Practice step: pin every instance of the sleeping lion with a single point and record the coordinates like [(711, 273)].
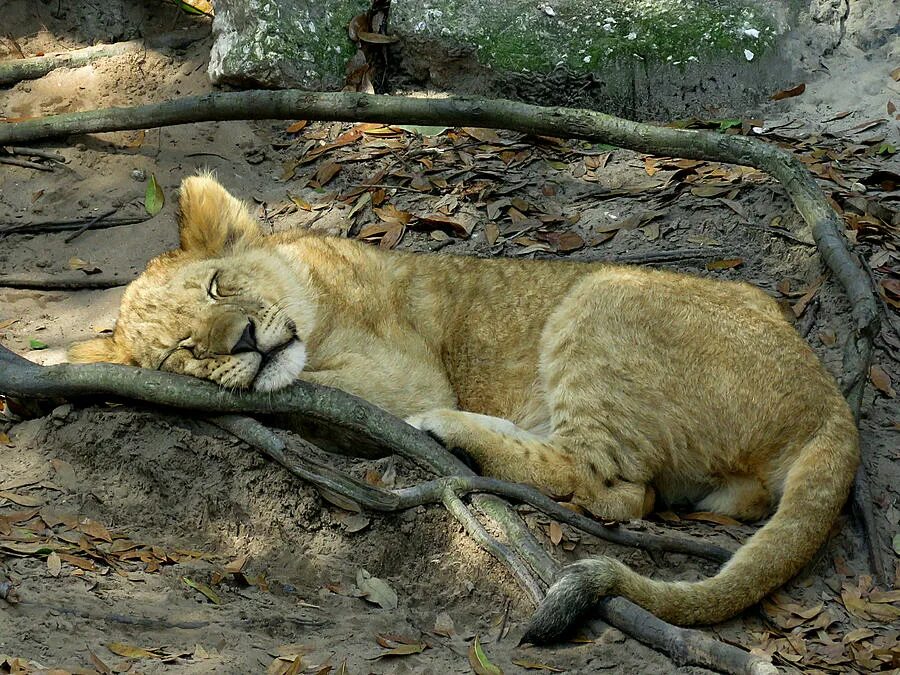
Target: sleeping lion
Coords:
[(617, 386)]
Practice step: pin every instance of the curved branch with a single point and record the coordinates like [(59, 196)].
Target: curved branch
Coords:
[(361, 420), (469, 111)]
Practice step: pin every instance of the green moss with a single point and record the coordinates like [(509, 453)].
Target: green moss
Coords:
[(316, 41), (582, 36)]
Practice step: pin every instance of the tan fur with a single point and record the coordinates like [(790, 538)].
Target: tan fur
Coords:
[(616, 385)]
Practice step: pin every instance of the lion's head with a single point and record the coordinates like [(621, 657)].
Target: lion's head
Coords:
[(221, 307)]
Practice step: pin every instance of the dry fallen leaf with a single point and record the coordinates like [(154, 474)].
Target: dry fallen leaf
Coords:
[(122, 649), (881, 381), (21, 500), (204, 589), (725, 264), (326, 172), (788, 93), (376, 590), (556, 533), (94, 529), (443, 625), (709, 517), (54, 564)]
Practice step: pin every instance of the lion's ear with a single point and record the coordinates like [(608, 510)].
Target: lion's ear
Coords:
[(100, 350), (211, 221)]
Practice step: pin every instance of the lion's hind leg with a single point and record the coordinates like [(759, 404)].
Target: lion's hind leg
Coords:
[(741, 497)]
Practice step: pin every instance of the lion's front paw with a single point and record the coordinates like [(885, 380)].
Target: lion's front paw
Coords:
[(439, 423)]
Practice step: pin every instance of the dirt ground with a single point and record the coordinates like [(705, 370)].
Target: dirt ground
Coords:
[(141, 508)]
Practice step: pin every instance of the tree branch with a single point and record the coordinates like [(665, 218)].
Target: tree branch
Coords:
[(358, 425), (469, 111)]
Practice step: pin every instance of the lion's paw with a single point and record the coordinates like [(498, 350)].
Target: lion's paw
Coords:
[(439, 423)]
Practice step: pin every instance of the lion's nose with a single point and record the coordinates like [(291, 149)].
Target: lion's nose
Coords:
[(247, 341)]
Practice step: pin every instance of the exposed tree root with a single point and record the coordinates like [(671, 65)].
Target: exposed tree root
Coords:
[(359, 426)]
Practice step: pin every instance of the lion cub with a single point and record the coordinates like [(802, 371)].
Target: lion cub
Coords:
[(615, 385)]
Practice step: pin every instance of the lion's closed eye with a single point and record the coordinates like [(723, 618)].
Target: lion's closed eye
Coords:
[(212, 288), (219, 289)]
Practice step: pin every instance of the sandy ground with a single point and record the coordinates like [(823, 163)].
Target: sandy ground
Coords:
[(188, 501)]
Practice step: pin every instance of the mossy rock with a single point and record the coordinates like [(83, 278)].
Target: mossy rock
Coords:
[(639, 58), (282, 43)]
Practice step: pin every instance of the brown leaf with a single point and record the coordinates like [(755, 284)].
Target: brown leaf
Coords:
[(94, 529), (854, 603), (391, 214), (885, 596), (491, 233), (21, 500), (237, 564), (53, 517), (895, 74), (392, 237), (711, 190), (122, 649), (881, 381), (483, 135), (568, 242), (710, 517), (800, 306), (376, 38), (296, 126), (65, 473), (101, 667), (54, 564), (556, 533), (75, 561), (725, 264), (403, 650), (445, 224), (788, 93), (443, 625), (326, 172)]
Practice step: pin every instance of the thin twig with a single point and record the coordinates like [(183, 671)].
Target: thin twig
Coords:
[(25, 163), (654, 257), (34, 152), (65, 225), (88, 225), (90, 282)]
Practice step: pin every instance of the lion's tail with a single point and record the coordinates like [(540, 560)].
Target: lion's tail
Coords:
[(815, 489)]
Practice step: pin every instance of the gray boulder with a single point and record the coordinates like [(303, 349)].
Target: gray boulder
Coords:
[(282, 43)]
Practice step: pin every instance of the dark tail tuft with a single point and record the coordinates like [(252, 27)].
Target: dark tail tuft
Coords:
[(577, 590)]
